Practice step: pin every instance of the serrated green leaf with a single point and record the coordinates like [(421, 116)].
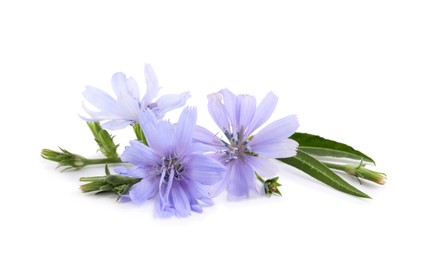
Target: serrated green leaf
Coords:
[(319, 171), (319, 146)]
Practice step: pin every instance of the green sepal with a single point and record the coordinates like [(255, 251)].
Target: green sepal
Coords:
[(139, 133), (104, 140), (319, 146), (114, 183), (319, 171)]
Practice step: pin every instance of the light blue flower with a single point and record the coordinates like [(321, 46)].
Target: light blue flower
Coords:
[(123, 111), (242, 152), (173, 167)]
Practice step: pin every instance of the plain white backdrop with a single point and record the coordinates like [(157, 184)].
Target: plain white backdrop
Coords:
[(351, 70)]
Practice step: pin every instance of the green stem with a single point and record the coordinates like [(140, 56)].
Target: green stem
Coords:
[(335, 166), (139, 133), (101, 161)]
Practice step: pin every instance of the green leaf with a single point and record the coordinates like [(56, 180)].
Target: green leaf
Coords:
[(316, 145), (319, 171)]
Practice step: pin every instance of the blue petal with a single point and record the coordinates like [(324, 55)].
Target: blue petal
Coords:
[(140, 154), (119, 81), (263, 166), (245, 110), (164, 211), (167, 137), (278, 149), (218, 111), (276, 131), (170, 102), (149, 124), (230, 102), (152, 85), (128, 107), (204, 169), (116, 124), (99, 99), (263, 112), (195, 191), (121, 170), (220, 186), (185, 129), (144, 190), (180, 200), (132, 88), (204, 136), (239, 184)]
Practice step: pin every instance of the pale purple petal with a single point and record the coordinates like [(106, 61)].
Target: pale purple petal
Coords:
[(132, 88), (180, 200), (195, 191), (265, 167), (144, 190), (119, 81), (170, 102), (128, 107), (230, 101), (245, 110), (166, 133), (276, 131), (149, 124), (122, 170), (99, 99), (185, 129), (116, 124), (263, 112), (204, 169), (281, 149), (220, 186), (140, 154), (218, 111), (141, 171), (151, 83), (238, 187), (204, 136), (164, 211)]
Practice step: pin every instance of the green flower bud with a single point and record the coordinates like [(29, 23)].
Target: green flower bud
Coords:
[(362, 172), (64, 158)]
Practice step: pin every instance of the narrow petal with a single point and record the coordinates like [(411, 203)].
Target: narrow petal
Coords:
[(204, 136), (263, 166), (149, 124), (281, 149), (164, 211), (132, 88), (230, 101), (263, 112), (220, 186), (245, 110), (141, 171), (116, 124), (238, 187), (144, 190), (167, 137), (195, 191), (180, 200), (218, 111), (140, 154), (185, 129), (98, 98), (276, 131), (119, 81), (128, 107), (151, 84), (122, 170), (170, 102), (204, 169)]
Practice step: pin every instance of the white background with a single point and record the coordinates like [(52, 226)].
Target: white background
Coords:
[(351, 71)]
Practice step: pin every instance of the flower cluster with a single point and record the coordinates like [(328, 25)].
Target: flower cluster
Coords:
[(183, 165)]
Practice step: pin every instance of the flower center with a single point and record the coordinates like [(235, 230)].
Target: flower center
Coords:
[(170, 166), (237, 146)]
